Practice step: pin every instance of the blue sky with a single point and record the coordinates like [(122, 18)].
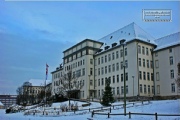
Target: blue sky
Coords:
[(35, 33)]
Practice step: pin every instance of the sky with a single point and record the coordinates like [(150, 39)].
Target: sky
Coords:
[(35, 33)]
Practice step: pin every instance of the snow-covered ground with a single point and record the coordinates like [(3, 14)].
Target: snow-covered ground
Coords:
[(161, 107)]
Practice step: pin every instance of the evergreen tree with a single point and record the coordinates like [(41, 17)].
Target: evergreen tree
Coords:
[(107, 95)]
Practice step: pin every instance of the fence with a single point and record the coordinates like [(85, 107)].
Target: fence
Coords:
[(130, 114), (58, 110)]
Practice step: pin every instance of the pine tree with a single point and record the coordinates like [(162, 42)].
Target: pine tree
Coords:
[(107, 95)]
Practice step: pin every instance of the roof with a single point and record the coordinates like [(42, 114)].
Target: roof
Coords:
[(1, 104), (39, 82), (81, 43), (167, 41), (129, 33)]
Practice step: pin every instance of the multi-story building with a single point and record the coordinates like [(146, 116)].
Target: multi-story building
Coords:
[(32, 91), (8, 100), (126, 54), (166, 58)]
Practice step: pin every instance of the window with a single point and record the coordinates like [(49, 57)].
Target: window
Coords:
[(152, 77), (109, 57), (144, 75), (121, 65), (127, 89), (102, 60), (91, 82), (117, 66), (139, 49), (122, 77), (98, 71), (149, 89), (171, 60), (105, 69), (109, 68), (140, 75), (139, 61), (78, 73), (83, 71), (170, 50), (102, 81), (140, 88), (122, 90), (113, 79), (99, 93), (126, 76), (98, 61), (102, 71), (157, 63), (151, 64), (148, 76), (121, 53), (91, 71), (145, 89), (125, 51), (117, 54), (157, 76), (117, 90), (147, 51), (105, 58), (117, 78), (143, 50), (172, 74), (147, 63), (91, 61), (98, 82), (113, 67), (126, 63), (158, 89), (113, 56), (143, 62), (173, 88), (113, 91)]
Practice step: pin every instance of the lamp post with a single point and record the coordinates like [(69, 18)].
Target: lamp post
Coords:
[(122, 43), (89, 87), (133, 85)]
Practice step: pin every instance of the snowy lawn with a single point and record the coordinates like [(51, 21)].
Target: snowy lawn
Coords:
[(161, 107)]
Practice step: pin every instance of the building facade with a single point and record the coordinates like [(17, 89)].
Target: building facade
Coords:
[(133, 61), (166, 59), (7, 100)]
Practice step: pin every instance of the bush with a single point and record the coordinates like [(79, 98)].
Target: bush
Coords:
[(8, 110)]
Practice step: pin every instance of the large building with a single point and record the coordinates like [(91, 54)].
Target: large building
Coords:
[(32, 91), (7, 100), (127, 54)]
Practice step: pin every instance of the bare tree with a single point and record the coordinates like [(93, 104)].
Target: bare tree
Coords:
[(178, 77), (69, 84)]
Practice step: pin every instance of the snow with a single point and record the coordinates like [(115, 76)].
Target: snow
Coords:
[(1, 104), (168, 41), (129, 33), (161, 107)]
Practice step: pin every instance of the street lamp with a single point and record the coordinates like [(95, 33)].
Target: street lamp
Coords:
[(122, 42), (89, 87), (133, 85)]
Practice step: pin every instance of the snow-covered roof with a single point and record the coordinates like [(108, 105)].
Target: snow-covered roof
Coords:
[(39, 82), (168, 41), (1, 104), (129, 33)]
